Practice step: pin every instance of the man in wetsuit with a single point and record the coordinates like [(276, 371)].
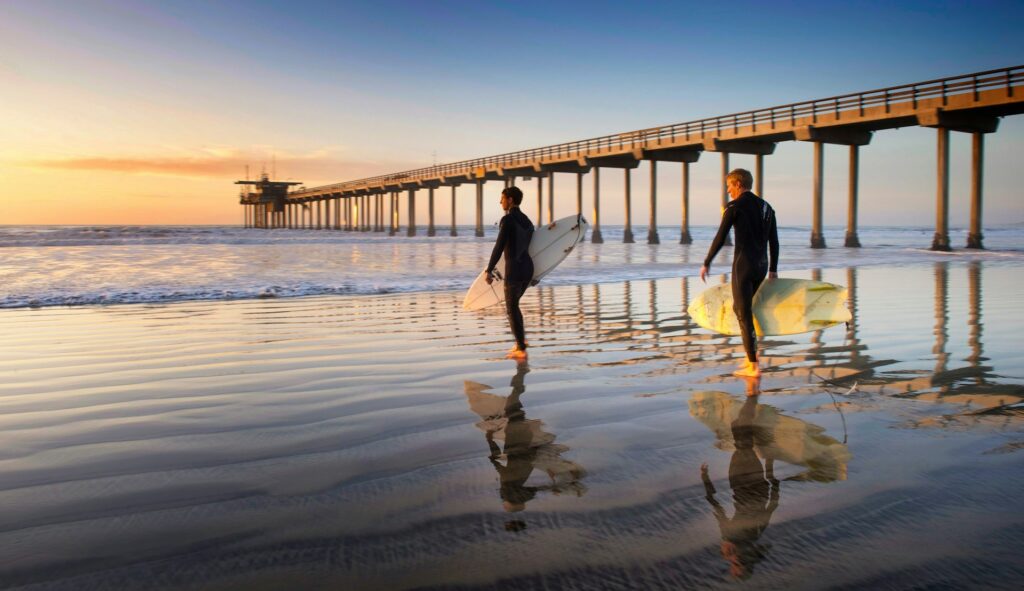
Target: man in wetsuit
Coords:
[(514, 234), (756, 235)]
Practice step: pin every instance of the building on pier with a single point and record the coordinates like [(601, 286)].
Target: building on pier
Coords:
[(265, 205)]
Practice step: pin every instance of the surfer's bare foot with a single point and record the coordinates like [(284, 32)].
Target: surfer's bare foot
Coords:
[(749, 369), (517, 352)]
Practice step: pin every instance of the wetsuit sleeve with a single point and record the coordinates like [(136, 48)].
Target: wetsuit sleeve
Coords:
[(499, 246), (728, 217), (773, 245)]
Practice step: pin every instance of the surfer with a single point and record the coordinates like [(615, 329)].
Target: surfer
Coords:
[(514, 234), (756, 235)]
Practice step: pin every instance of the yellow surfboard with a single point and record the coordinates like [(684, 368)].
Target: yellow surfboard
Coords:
[(781, 306)]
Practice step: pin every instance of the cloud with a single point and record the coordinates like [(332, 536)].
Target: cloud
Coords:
[(229, 163)]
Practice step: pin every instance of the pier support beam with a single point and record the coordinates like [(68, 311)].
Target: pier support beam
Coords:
[(411, 196), (453, 232), (852, 241), (725, 194), (392, 215), (318, 220), (759, 175), (974, 236), (817, 237), (627, 230), (540, 201), (551, 197), (579, 193), (652, 226), (479, 209), (684, 236), (380, 212), (595, 234), (941, 240), (430, 212), (327, 214)]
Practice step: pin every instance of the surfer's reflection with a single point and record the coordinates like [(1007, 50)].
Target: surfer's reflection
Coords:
[(759, 435), (517, 446)]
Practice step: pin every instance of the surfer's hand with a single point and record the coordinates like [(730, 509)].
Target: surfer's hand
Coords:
[(704, 273), (489, 278), (773, 275)]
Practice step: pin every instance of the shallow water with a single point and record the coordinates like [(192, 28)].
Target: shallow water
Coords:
[(368, 442), (79, 265)]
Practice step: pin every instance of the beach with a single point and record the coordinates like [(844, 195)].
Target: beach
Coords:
[(380, 440)]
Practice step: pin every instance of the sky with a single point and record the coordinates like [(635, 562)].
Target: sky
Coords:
[(146, 112)]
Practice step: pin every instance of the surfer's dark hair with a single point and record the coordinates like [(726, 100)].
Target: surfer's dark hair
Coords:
[(514, 193)]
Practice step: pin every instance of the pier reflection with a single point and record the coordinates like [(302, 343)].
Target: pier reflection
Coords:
[(518, 446), (758, 435), (645, 320)]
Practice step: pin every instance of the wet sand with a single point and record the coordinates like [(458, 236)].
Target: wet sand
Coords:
[(371, 442)]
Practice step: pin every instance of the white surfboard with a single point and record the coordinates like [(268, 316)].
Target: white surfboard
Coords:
[(548, 247)]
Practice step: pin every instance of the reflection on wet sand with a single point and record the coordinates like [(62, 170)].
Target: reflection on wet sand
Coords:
[(806, 364), (757, 433), (525, 446)]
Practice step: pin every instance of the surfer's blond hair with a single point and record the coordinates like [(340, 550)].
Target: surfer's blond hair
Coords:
[(742, 176)]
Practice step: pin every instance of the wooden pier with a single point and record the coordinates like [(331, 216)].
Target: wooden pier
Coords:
[(971, 103)]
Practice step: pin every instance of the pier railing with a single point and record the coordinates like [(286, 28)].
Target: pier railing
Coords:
[(1007, 78)]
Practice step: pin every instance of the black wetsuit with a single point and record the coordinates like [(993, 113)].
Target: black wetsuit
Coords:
[(756, 234), (514, 235)]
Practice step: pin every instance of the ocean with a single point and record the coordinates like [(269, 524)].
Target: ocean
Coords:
[(80, 265)]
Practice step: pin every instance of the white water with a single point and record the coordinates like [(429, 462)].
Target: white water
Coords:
[(75, 265)]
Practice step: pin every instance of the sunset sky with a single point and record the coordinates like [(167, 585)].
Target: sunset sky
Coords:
[(146, 112)]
